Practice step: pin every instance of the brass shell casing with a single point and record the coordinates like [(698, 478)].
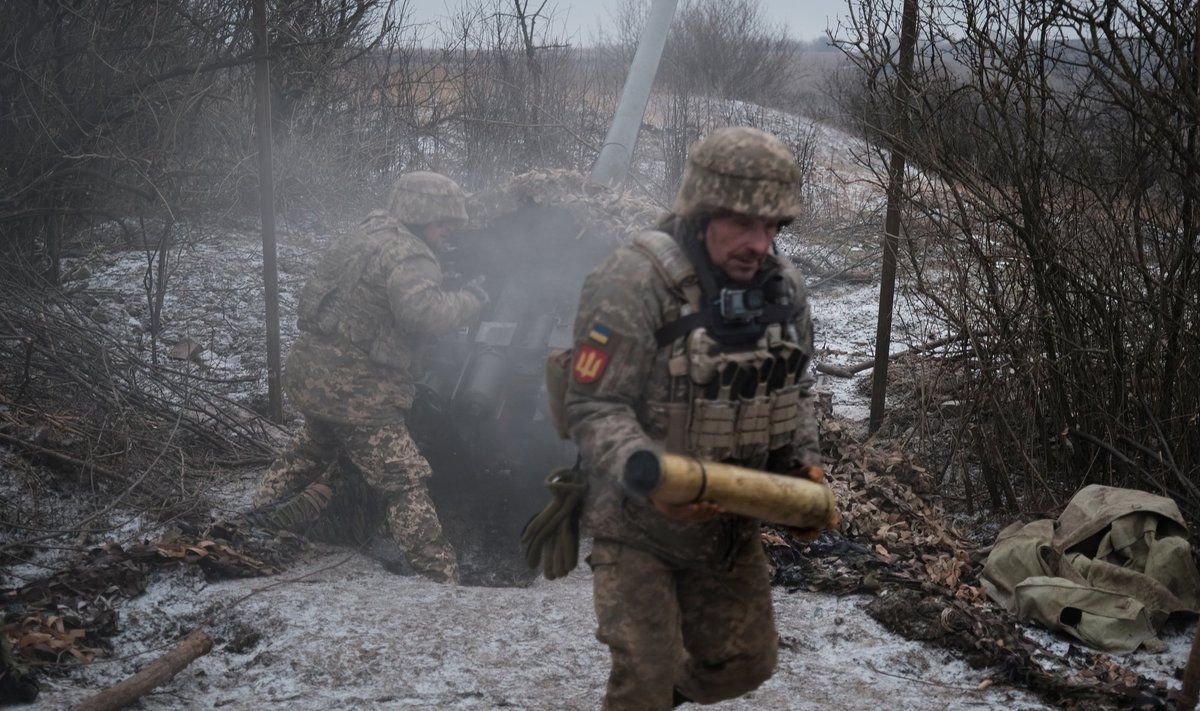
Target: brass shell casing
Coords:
[(783, 500)]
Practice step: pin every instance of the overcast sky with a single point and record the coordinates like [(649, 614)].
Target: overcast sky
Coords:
[(805, 19)]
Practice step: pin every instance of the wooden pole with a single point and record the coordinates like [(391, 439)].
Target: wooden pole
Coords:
[(155, 674), (891, 228), (266, 198)]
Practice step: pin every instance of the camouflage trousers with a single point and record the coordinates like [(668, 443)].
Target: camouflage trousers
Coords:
[(392, 467), (708, 633)]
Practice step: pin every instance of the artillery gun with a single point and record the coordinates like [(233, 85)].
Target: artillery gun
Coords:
[(481, 415)]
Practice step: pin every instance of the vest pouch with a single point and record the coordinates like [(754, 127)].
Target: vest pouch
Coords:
[(673, 416), (390, 351), (784, 389), (558, 376), (785, 411), (753, 428), (705, 359), (712, 433)]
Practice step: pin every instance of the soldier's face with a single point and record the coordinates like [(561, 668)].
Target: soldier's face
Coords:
[(437, 235), (739, 244)]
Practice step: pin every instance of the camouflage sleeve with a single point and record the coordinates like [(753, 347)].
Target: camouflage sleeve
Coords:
[(613, 357), (420, 305), (806, 447)]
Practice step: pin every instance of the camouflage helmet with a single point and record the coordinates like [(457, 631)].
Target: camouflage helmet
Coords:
[(743, 170), (421, 198)]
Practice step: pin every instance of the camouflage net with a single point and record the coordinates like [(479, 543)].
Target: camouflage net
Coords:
[(596, 208)]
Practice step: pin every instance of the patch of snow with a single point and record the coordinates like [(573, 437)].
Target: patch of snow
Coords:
[(340, 632)]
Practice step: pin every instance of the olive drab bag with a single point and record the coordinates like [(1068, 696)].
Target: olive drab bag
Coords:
[(551, 537), (1108, 571)]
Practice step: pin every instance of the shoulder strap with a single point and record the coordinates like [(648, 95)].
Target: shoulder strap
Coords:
[(666, 255), (673, 264)]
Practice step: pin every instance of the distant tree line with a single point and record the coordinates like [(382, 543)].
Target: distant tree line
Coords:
[(1052, 220), (115, 112)]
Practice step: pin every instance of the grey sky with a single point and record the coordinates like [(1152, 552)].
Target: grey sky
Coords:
[(805, 19)]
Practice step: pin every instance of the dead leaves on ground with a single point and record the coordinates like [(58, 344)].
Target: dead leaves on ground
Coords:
[(893, 523), (213, 555), (895, 541), (67, 615), (48, 637)]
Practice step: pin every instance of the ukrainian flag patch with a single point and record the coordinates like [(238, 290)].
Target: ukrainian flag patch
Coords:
[(599, 333)]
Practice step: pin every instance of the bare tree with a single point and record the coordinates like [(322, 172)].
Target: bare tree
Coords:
[(718, 51), (101, 102), (1053, 225), (525, 96)]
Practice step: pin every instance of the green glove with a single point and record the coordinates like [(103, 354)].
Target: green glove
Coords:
[(551, 538)]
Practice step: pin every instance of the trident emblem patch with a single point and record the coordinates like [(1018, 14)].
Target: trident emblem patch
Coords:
[(589, 364)]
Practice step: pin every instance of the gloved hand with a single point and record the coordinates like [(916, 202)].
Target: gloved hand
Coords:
[(816, 475), (475, 286), (551, 537)]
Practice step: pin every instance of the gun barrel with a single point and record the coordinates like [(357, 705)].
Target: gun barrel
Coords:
[(784, 500)]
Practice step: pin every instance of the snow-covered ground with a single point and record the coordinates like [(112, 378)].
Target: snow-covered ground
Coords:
[(339, 632)]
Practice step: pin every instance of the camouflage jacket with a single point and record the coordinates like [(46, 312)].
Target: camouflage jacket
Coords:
[(624, 302), (364, 318)]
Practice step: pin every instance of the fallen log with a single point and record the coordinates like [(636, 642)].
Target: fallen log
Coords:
[(850, 371), (156, 673)]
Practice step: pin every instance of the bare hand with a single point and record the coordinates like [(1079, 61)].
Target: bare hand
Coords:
[(689, 513), (812, 534), (811, 472)]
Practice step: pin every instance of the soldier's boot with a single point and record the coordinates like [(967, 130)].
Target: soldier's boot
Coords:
[(418, 533), (437, 562), (297, 514), (287, 475)]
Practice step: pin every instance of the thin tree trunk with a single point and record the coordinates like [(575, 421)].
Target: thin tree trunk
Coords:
[(891, 237), (266, 196)]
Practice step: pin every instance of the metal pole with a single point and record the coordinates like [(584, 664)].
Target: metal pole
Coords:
[(612, 165), (266, 198)]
